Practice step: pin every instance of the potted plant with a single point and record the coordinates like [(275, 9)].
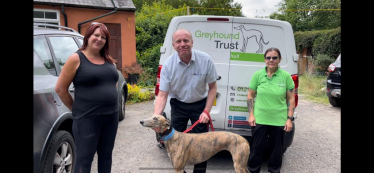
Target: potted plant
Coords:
[(133, 71)]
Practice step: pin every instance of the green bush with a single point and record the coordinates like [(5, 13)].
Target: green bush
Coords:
[(322, 62), (150, 59), (147, 79), (320, 42), (135, 95)]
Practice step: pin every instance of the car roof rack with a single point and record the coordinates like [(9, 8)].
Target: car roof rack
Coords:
[(55, 26)]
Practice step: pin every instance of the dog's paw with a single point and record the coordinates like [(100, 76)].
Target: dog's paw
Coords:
[(160, 145)]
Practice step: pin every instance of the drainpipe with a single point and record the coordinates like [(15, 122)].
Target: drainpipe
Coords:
[(65, 17), (115, 10)]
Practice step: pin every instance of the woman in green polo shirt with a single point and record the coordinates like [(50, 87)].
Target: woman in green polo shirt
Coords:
[(273, 88)]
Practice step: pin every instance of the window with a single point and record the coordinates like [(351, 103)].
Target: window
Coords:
[(63, 47), (42, 50), (47, 16)]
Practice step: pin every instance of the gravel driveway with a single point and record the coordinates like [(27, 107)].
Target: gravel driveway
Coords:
[(316, 145)]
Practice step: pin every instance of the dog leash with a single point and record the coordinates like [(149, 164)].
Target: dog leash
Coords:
[(210, 122)]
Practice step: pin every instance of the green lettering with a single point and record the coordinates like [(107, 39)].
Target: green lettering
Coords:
[(236, 36), (215, 34), (198, 34)]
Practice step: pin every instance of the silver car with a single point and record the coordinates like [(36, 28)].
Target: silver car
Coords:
[(54, 149)]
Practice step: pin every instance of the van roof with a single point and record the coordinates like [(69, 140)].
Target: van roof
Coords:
[(231, 19)]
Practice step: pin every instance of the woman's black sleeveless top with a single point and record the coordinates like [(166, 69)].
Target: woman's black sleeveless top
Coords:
[(95, 89)]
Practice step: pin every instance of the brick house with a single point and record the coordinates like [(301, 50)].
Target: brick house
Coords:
[(117, 15)]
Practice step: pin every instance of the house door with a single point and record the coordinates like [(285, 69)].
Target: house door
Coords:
[(115, 48)]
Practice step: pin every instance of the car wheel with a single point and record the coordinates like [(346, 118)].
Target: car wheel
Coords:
[(121, 106), (334, 101), (60, 154)]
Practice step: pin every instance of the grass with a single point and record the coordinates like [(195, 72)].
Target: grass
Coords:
[(312, 87)]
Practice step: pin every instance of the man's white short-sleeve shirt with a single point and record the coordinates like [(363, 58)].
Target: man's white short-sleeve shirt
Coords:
[(188, 82)]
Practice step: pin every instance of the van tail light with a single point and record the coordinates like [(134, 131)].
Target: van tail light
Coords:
[(331, 68), (157, 87), (295, 79)]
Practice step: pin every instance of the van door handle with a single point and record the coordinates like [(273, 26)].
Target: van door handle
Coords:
[(219, 77)]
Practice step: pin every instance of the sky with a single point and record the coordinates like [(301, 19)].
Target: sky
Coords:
[(251, 8)]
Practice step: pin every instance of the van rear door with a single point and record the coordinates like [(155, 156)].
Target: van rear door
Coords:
[(213, 36)]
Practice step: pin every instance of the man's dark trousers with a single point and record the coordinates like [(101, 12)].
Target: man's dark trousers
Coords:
[(181, 113)]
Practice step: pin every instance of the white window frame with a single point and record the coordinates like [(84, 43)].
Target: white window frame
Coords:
[(43, 20)]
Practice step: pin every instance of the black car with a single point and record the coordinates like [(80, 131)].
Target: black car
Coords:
[(53, 141), (333, 83)]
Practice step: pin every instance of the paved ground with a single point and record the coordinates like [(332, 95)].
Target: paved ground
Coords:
[(315, 149)]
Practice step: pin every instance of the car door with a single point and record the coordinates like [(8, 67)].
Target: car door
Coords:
[(62, 46)]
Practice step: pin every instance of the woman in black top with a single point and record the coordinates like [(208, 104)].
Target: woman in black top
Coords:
[(95, 104)]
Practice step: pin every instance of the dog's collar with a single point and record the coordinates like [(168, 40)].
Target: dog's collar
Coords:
[(167, 137)]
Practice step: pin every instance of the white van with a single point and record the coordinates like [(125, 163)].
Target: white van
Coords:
[(236, 46)]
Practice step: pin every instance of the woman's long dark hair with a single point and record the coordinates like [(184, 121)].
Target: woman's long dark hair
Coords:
[(104, 52)]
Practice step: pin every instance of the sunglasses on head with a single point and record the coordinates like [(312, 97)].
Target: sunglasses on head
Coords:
[(269, 57)]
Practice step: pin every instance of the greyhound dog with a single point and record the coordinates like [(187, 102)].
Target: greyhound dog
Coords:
[(192, 148), (247, 34)]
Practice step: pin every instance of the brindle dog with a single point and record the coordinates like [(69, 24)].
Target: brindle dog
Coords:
[(190, 148)]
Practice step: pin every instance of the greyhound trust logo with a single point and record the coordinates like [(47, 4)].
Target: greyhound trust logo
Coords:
[(247, 34), (219, 37), (228, 40)]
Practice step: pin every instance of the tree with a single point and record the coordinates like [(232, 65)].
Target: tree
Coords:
[(174, 3), (309, 15), (202, 7), (151, 25), (218, 7)]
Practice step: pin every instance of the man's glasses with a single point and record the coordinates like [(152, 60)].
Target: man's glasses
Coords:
[(94, 23), (269, 57)]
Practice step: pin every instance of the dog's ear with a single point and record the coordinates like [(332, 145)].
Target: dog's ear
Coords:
[(168, 122)]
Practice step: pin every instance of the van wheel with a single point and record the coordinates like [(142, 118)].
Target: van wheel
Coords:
[(60, 154), (334, 101), (121, 106)]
